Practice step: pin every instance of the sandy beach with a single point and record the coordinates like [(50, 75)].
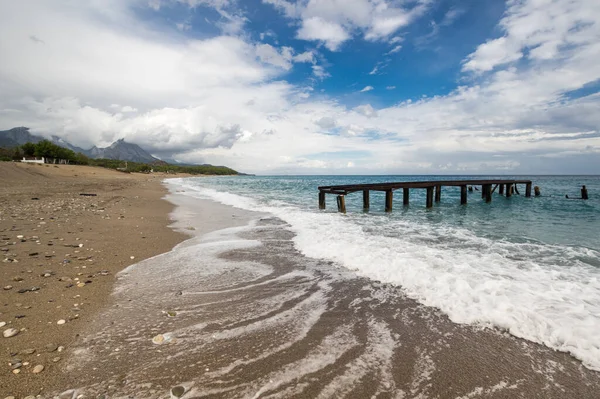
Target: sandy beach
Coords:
[(232, 311), (60, 251)]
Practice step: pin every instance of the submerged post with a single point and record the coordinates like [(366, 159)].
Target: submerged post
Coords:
[(366, 201), (321, 200), (501, 189), (406, 195), (509, 188), (341, 203), (463, 195), (438, 193), (528, 190), (487, 192), (389, 197), (429, 197)]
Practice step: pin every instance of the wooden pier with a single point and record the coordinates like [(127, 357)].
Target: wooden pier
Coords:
[(434, 191)]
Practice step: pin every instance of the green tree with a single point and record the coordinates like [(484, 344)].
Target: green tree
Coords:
[(28, 149)]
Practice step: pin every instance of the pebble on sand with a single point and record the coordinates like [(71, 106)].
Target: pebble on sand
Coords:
[(38, 369), (177, 392), (61, 322), (11, 332), (2, 323)]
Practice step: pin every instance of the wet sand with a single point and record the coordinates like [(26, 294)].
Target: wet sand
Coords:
[(239, 313), (59, 253)]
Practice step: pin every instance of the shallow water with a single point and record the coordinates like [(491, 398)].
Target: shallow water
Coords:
[(530, 266)]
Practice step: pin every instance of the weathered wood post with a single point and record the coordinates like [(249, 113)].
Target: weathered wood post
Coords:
[(502, 189), (509, 188), (516, 186), (584, 193), (321, 200), (438, 193), (389, 197), (483, 191), (341, 203), (366, 202), (406, 195), (429, 197), (487, 192), (463, 195), (528, 190)]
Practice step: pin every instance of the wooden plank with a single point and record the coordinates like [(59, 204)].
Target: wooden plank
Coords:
[(406, 196), (463, 195), (322, 200), (422, 184), (389, 197), (341, 202), (438, 193), (429, 197), (366, 200)]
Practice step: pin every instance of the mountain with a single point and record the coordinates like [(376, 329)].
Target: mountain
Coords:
[(123, 151), (17, 136), (120, 149)]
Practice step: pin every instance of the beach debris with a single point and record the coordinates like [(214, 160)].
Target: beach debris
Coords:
[(56, 359), (8, 287), (81, 285), (162, 339), (171, 313), (88, 194), (38, 369), (16, 371), (177, 392), (29, 351), (68, 394), (132, 257), (2, 323), (34, 253), (17, 278), (11, 332), (61, 322)]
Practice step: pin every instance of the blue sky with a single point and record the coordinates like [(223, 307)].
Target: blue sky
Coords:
[(314, 86)]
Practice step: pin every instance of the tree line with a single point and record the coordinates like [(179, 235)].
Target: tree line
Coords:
[(49, 150)]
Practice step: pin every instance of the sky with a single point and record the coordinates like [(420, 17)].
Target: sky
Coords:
[(313, 86)]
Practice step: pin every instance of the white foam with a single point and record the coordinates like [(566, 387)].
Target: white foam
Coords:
[(543, 293)]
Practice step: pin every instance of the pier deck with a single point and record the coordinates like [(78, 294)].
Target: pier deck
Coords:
[(506, 187)]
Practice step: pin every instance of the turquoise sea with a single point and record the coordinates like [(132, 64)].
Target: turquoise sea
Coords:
[(530, 266)]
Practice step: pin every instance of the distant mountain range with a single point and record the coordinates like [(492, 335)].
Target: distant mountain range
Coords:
[(120, 149)]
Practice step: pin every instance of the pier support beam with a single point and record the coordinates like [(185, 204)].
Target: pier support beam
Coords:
[(502, 189), (429, 197), (463, 195), (438, 193), (517, 189), (528, 190), (389, 197), (406, 196), (509, 188), (341, 203), (487, 192), (366, 201), (321, 200)]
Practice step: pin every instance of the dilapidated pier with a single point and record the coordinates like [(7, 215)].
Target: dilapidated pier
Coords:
[(434, 191)]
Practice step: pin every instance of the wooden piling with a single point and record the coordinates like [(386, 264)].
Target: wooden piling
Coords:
[(463, 195), (528, 190), (321, 200), (438, 193), (495, 187), (406, 196), (487, 192), (389, 197), (366, 201), (429, 197), (509, 188), (501, 189), (483, 191), (341, 203)]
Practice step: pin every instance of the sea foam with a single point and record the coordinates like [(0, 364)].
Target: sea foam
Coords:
[(549, 294)]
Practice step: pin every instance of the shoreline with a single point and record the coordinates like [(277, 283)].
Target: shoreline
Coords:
[(65, 263), (240, 313)]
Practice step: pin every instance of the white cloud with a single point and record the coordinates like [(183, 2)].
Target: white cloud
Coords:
[(217, 100), (390, 87), (367, 88), (320, 72), (335, 21), (394, 50)]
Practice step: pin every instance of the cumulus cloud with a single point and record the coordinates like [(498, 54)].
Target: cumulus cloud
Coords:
[(336, 21), (103, 73)]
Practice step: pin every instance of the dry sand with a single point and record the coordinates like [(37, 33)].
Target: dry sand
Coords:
[(59, 252)]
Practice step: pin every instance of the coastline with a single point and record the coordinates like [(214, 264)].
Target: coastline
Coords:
[(240, 313), (68, 239), (236, 311)]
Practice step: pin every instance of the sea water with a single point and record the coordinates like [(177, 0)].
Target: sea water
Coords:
[(530, 266)]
